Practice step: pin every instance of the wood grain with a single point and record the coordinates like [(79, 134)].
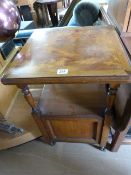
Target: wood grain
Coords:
[(73, 112), (71, 100), (89, 53)]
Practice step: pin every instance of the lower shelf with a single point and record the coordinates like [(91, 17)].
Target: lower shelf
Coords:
[(73, 112)]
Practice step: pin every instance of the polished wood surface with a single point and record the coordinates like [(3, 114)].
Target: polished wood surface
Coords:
[(89, 53), (74, 130), (73, 100), (71, 55), (73, 112), (80, 113)]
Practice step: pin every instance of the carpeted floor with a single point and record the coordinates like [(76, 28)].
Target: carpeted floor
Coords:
[(36, 158)]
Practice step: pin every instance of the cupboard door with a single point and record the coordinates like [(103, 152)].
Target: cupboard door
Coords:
[(78, 130)]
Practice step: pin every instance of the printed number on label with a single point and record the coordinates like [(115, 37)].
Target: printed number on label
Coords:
[(62, 71)]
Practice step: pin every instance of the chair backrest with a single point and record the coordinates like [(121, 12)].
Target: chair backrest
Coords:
[(85, 13), (25, 12), (68, 14), (81, 13)]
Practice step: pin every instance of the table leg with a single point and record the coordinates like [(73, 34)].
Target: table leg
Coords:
[(118, 138), (42, 14), (121, 132), (35, 112), (37, 10), (45, 18), (53, 13), (30, 100), (111, 95)]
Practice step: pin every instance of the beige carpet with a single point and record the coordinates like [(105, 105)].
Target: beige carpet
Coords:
[(36, 158)]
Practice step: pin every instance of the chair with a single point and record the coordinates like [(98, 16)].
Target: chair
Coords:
[(85, 13), (65, 19), (25, 12), (80, 14), (26, 29), (42, 8), (22, 36)]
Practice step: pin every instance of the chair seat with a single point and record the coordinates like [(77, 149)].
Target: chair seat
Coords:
[(25, 25)]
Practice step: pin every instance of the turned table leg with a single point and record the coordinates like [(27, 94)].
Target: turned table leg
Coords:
[(30, 100), (35, 112), (111, 95)]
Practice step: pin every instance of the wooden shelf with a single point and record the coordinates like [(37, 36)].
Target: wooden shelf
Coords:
[(72, 112), (72, 100)]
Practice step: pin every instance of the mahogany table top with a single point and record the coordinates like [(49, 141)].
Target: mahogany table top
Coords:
[(70, 55)]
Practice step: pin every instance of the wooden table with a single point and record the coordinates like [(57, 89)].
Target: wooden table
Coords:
[(71, 55)]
